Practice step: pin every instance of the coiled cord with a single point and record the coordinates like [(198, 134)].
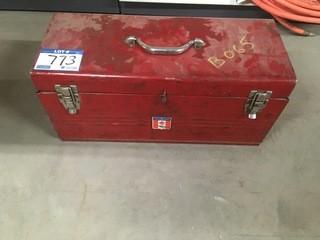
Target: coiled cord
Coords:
[(307, 11)]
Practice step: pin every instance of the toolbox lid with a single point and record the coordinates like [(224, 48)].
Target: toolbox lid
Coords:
[(239, 55)]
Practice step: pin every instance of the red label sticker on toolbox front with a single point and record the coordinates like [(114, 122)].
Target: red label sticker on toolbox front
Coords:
[(161, 123)]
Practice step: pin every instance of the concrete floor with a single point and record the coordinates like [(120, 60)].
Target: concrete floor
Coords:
[(53, 190)]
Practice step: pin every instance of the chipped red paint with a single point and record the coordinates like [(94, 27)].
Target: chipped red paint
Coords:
[(120, 86)]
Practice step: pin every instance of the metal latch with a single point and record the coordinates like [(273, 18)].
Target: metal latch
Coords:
[(68, 97), (257, 101)]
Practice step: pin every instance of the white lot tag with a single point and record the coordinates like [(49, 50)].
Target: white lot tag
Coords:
[(59, 60)]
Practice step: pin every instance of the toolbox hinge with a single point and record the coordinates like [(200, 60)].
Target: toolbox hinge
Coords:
[(68, 97), (257, 100)]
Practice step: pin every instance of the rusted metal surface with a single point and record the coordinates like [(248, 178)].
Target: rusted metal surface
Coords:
[(240, 55)]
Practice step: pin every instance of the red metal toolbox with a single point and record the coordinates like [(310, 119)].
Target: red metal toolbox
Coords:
[(162, 79)]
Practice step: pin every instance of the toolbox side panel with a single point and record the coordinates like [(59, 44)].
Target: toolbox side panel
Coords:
[(127, 117)]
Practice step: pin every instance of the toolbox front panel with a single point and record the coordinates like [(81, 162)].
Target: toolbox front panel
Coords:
[(128, 117)]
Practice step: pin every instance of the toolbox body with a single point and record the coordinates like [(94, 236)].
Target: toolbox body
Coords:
[(165, 79)]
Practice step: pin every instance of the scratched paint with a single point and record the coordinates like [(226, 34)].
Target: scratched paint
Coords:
[(102, 38)]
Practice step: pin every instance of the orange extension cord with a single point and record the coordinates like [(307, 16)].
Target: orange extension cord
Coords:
[(307, 11)]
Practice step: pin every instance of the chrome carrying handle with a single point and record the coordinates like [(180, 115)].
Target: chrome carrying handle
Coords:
[(196, 43)]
